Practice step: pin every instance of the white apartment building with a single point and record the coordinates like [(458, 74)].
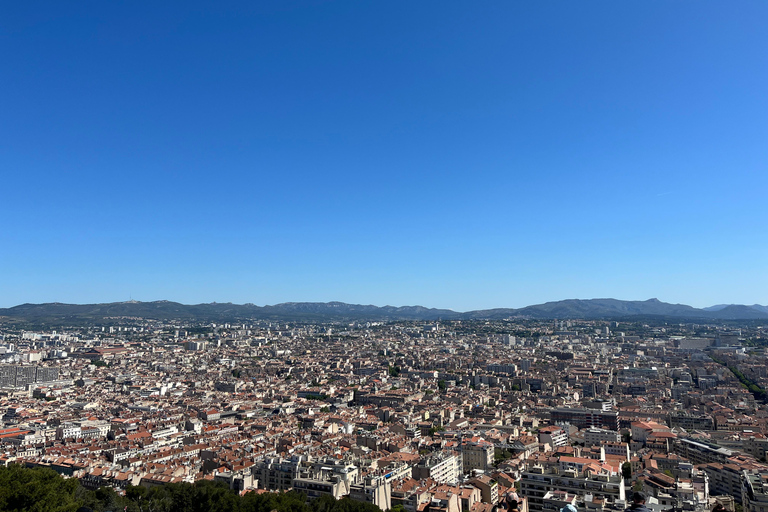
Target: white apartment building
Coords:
[(597, 436)]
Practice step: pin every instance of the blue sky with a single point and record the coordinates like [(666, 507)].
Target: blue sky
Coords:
[(448, 154)]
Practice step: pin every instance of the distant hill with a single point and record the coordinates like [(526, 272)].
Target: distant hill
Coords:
[(220, 312), (597, 308), (341, 309), (738, 311), (337, 311)]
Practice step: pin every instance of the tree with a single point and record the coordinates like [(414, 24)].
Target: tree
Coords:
[(36, 490), (324, 503), (136, 494), (103, 498), (626, 470), (433, 430), (44, 490), (500, 455)]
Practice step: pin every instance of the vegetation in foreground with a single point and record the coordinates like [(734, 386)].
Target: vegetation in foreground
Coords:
[(44, 490)]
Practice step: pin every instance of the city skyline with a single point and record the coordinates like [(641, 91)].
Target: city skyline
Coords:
[(430, 154)]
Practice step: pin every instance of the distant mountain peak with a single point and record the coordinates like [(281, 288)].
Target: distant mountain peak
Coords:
[(335, 311)]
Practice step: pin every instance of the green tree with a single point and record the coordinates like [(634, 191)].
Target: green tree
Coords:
[(433, 430), (500, 455), (44, 490), (36, 490)]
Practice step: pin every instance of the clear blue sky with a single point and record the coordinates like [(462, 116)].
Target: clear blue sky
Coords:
[(449, 154)]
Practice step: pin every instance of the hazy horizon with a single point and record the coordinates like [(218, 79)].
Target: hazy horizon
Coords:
[(377, 305)]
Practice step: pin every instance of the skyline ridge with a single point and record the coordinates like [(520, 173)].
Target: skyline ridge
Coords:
[(604, 308)]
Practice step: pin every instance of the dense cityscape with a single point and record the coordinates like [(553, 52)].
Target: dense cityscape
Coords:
[(345, 256), (421, 416)]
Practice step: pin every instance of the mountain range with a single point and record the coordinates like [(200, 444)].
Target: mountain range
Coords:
[(334, 311)]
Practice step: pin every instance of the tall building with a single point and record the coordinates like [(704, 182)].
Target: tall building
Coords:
[(277, 474), (586, 418), (442, 467), (46, 373), (754, 491), (581, 477), (375, 490), (554, 436), (13, 375), (25, 375), (477, 453), (7, 376), (597, 436)]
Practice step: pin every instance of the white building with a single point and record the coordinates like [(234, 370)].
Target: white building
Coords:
[(597, 436)]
